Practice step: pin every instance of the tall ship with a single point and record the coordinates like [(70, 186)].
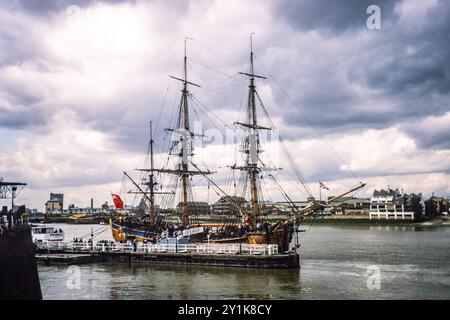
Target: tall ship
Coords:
[(246, 223)]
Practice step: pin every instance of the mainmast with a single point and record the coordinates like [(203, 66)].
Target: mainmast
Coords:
[(252, 142), (185, 136), (253, 139), (185, 150), (184, 144)]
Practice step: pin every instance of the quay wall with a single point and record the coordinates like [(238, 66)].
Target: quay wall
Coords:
[(19, 279), (279, 261)]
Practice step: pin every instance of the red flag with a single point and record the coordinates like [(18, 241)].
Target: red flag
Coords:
[(117, 201)]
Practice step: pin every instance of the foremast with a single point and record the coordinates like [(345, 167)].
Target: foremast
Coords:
[(150, 193)]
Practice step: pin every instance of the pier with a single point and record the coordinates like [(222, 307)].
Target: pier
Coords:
[(206, 254)]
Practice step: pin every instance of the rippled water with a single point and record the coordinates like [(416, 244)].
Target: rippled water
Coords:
[(414, 263)]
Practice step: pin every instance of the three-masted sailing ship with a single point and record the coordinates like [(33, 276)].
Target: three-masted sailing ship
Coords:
[(248, 223)]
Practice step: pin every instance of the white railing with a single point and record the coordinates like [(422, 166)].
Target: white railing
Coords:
[(391, 214), (200, 248)]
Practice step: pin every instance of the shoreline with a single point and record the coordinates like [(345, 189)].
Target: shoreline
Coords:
[(378, 222), (329, 220)]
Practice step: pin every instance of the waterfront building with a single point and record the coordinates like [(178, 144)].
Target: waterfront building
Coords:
[(195, 208), (166, 211), (286, 207), (351, 206), (87, 210), (57, 197), (228, 205), (142, 208), (105, 207), (395, 204), (436, 206), (55, 204)]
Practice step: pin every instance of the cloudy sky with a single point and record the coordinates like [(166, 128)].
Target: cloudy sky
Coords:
[(79, 81)]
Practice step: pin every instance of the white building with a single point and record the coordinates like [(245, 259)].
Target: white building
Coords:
[(393, 204)]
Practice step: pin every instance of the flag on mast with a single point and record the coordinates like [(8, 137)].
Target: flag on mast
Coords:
[(323, 186), (117, 201)]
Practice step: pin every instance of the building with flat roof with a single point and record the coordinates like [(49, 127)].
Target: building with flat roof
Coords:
[(228, 205), (395, 204), (436, 206), (55, 204), (195, 208), (350, 206)]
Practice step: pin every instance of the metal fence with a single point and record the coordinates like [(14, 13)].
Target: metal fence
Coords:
[(200, 248)]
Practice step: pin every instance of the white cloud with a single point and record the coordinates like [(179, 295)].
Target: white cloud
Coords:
[(413, 14), (72, 156)]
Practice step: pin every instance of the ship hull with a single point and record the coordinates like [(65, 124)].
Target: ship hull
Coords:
[(281, 237), (243, 239), (123, 233)]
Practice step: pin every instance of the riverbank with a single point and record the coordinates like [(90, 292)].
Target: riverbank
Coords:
[(339, 220), (330, 220), (70, 220)]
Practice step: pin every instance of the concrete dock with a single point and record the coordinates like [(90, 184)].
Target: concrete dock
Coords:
[(280, 261), (67, 258), (224, 255)]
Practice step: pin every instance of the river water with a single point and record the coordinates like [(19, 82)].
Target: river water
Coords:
[(337, 262)]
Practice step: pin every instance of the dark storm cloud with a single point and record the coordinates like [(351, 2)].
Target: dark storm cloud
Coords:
[(18, 41), (439, 140), (21, 120), (43, 7), (405, 66), (333, 16), (46, 7), (416, 84), (411, 57), (432, 132), (22, 48)]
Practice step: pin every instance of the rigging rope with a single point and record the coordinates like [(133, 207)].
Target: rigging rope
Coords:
[(288, 155), (307, 120)]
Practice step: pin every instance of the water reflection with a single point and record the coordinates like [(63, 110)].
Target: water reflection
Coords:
[(334, 261), (118, 281)]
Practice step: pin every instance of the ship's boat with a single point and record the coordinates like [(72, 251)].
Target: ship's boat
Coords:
[(78, 216), (245, 223), (45, 233)]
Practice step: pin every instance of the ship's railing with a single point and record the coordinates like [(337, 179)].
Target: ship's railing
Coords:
[(200, 248)]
